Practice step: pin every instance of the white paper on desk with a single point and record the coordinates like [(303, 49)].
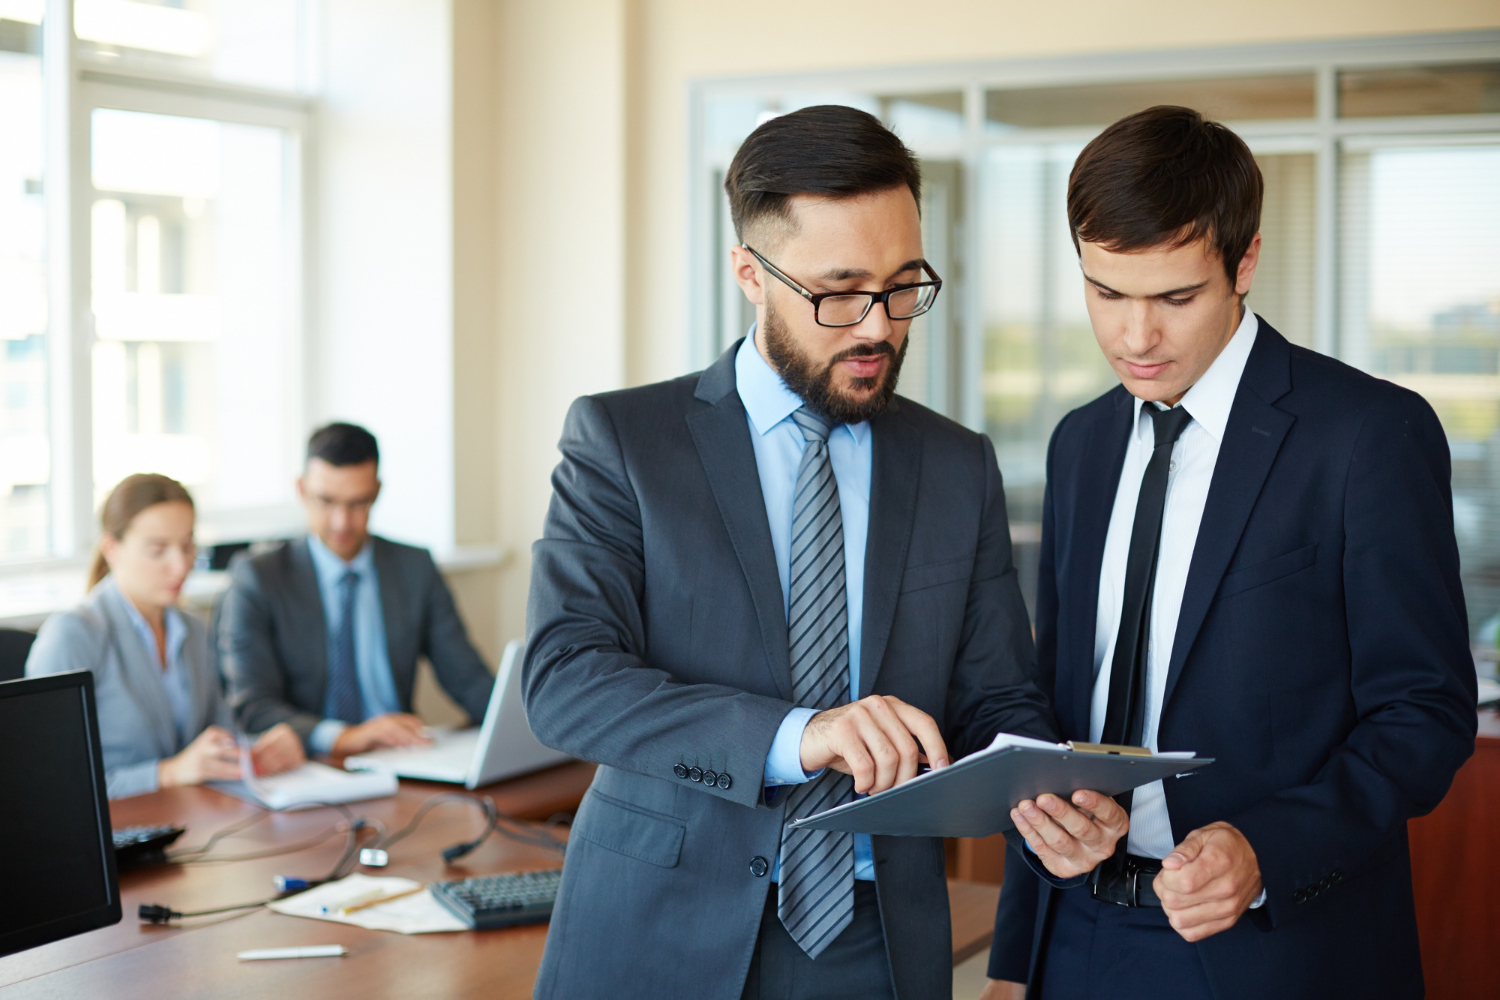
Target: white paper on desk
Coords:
[(312, 782), (418, 913)]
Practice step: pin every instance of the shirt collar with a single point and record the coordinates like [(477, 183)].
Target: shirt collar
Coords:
[(767, 399), (176, 627), (330, 567), (1212, 396)]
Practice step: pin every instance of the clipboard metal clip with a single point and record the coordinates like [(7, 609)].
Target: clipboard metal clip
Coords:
[(1108, 748)]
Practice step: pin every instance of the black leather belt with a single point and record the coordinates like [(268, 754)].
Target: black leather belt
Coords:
[(1125, 880)]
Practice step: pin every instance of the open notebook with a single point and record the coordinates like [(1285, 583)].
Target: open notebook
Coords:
[(310, 783)]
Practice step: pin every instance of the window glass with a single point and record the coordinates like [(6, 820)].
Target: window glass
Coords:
[(250, 42), (1421, 306), (1282, 290), (25, 453), (1226, 99), (194, 273), (1472, 89), (918, 117)]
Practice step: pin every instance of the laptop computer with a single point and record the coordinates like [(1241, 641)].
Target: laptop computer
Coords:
[(502, 747)]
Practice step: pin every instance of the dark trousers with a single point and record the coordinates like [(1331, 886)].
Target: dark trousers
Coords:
[(853, 965), (1095, 949)]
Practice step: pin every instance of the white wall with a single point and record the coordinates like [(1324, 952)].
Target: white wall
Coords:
[(383, 338)]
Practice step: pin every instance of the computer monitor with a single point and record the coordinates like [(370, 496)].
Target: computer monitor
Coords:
[(57, 855)]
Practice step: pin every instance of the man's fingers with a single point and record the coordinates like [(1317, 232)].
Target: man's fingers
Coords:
[(1076, 824), (884, 754), (1038, 845), (1185, 852), (924, 728), (902, 743)]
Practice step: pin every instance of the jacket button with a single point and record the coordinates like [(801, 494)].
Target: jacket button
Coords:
[(1338, 875), (680, 770), (1325, 883), (696, 773), (758, 866), (725, 781), (710, 778), (1300, 896)]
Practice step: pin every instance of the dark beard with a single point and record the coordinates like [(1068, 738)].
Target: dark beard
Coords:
[(814, 384)]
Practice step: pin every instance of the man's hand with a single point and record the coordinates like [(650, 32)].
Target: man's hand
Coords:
[(1208, 881), (1002, 989), (278, 749), (1071, 841), (394, 729), (875, 739), (213, 756)]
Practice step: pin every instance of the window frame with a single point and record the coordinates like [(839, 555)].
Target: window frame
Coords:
[(1323, 135), (73, 87)]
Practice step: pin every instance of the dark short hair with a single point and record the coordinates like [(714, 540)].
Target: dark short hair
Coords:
[(829, 150), (343, 444), (1166, 176)]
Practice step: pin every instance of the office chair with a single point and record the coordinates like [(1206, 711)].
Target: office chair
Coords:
[(15, 645)]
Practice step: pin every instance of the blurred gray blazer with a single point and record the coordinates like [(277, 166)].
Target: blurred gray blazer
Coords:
[(658, 641), (136, 726), (273, 638)]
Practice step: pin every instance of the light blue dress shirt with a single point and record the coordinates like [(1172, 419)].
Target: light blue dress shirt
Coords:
[(174, 679), (372, 660), (779, 444)]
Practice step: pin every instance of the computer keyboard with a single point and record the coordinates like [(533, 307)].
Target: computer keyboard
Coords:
[(143, 846), (488, 901)]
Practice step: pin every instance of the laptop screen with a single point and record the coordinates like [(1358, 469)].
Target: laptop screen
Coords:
[(54, 815)]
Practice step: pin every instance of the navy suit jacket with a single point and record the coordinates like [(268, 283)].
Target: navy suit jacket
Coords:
[(1321, 657)]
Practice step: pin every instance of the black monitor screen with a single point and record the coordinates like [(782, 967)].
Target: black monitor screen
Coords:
[(56, 856)]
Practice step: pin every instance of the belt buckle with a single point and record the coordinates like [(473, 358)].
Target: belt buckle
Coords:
[(1135, 892)]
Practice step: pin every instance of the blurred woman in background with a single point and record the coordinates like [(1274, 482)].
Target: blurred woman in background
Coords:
[(162, 715)]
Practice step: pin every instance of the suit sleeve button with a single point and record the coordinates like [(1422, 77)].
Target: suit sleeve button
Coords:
[(680, 770), (1338, 875), (759, 867), (1300, 896), (725, 781), (710, 778), (696, 773), (1326, 883)]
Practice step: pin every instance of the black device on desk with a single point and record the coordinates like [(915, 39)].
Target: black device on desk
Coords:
[(57, 856), (488, 901), (144, 846)]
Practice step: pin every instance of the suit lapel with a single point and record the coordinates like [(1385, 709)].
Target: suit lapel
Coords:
[(1097, 481), (897, 462), (1252, 439), (392, 604), (141, 675), (307, 605), (721, 433)]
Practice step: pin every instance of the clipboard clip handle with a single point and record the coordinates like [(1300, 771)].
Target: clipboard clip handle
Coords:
[(1108, 748)]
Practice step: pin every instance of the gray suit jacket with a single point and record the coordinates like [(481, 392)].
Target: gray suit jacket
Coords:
[(136, 726), (273, 638), (657, 638)]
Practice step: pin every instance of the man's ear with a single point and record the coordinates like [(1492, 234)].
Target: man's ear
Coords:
[(747, 274), (1246, 272)]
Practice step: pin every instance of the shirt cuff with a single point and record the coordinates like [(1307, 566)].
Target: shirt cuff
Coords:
[(324, 735), (784, 762), (1259, 901)]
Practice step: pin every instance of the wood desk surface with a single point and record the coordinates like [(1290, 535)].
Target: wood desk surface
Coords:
[(196, 957)]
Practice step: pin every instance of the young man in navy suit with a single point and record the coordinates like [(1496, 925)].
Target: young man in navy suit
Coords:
[(1247, 552)]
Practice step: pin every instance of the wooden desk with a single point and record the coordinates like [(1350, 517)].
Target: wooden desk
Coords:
[(1456, 875), (196, 957)]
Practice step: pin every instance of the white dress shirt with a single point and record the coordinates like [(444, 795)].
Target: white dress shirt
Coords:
[(1188, 478)]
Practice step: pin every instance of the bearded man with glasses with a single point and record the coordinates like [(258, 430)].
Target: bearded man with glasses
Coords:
[(764, 589)]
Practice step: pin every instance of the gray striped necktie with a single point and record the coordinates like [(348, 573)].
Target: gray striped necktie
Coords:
[(816, 898)]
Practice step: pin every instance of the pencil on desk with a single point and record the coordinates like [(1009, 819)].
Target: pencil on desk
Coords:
[(363, 903)]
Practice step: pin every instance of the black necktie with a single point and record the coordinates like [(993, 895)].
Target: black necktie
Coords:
[(1124, 721)]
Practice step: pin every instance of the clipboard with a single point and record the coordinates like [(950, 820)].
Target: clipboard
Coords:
[(974, 797)]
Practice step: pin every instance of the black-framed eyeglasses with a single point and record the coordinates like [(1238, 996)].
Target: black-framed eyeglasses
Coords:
[(850, 308)]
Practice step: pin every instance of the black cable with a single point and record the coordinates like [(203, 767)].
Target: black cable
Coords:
[(154, 913)]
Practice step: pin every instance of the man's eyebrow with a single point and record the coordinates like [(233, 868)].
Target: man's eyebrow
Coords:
[(849, 273), (1169, 293)]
